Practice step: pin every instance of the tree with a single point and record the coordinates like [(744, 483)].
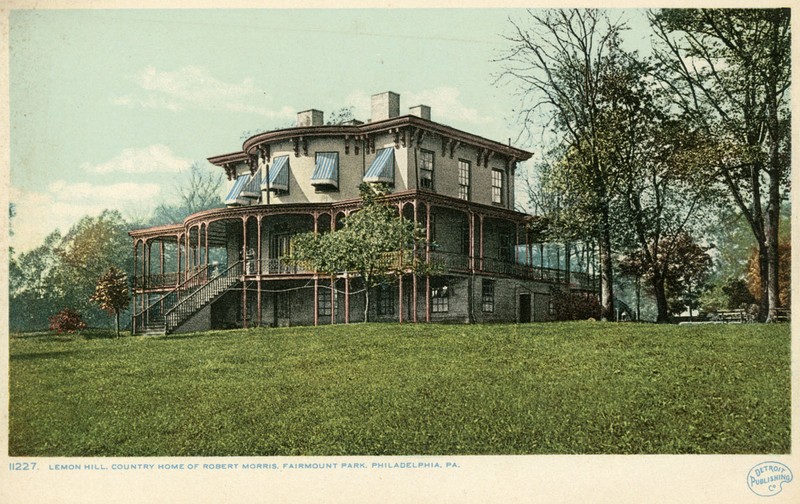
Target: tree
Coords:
[(753, 276), (375, 244), (560, 64), (729, 71), (681, 267), (111, 293), (90, 247), (31, 276)]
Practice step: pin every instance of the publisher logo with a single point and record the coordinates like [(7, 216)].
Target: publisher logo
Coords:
[(767, 478)]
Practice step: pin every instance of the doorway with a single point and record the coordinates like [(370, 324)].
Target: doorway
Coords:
[(524, 308)]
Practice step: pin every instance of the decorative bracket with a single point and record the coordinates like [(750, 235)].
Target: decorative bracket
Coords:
[(230, 170)]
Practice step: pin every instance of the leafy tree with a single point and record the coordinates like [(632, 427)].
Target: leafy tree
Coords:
[(89, 248), (31, 278), (111, 293), (374, 243), (562, 62), (729, 71)]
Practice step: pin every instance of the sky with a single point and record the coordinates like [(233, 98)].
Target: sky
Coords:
[(109, 108)]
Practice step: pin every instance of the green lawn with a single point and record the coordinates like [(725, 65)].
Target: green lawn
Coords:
[(413, 389)]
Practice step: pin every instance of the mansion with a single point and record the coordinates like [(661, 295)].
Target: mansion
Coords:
[(227, 267)]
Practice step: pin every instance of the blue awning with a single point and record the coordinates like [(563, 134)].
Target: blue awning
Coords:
[(326, 172), (253, 187), (279, 174), (382, 168), (233, 196)]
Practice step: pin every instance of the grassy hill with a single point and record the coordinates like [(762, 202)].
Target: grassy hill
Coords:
[(413, 389)]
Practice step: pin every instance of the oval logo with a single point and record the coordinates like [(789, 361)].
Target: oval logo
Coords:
[(767, 478)]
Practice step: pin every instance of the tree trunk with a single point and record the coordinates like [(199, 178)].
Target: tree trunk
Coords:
[(116, 313), (763, 272), (366, 302), (659, 288), (606, 273)]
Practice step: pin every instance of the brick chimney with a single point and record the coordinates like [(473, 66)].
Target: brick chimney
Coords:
[(422, 111), (385, 106), (311, 117)]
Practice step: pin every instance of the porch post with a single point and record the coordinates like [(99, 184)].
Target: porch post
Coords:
[(428, 261), (244, 272), (414, 276), (472, 241), (199, 229), (346, 298), (316, 300), (206, 244), (178, 244), (161, 256), (258, 271), (333, 300), (135, 261), (481, 252), (400, 295)]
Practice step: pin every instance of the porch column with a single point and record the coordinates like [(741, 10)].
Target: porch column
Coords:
[(428, 261), (244, 272), (316, 216), (472, 241), (316, 300), (178, 244), (414, 276), (135, 269), (161, 256), (480, 216), (258, 270), (346, 298), (206, 244), (400, 295), (199, 244), (333, 300)]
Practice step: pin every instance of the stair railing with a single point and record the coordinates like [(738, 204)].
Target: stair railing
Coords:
[(155, 311), (197, 299)]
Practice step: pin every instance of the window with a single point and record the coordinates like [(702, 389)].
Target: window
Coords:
[(385, 300), (426, 169), (324, 302), (497, 187), (463, 179), (487, 295), (326, 172), (440, 297)]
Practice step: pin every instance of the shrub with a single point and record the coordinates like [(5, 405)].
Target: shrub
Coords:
[(575, 305), (67, 321)]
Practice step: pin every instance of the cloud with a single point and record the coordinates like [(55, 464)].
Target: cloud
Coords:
[(63, 203), (194, 87), (444, 101), (152, 159)]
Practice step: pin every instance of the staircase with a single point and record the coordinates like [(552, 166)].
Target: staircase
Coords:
[(178, 305)]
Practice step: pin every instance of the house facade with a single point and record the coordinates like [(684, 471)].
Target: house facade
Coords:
[(227, 267)]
